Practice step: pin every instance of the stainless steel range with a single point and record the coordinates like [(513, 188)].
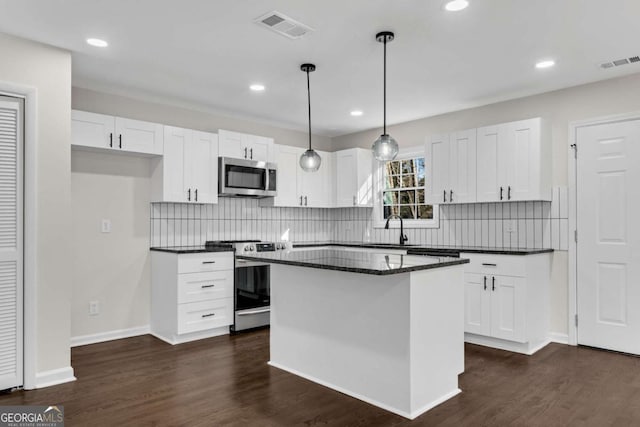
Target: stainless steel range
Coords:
[(252, 296)]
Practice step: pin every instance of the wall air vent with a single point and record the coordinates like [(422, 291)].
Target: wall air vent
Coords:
[(283, 25), (620, 62)]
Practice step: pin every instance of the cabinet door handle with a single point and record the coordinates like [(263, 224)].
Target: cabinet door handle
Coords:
[(493, 283), (251, 153), (196, 194), (451, 196), (300, 200), (501, 191), (305, 200), (208, 262), (189, 195), (208, 315), (488, 264), (120, 140), (354, 200), (485, 283), (111, 140), (245, 152), (509, 193), (207, 286)]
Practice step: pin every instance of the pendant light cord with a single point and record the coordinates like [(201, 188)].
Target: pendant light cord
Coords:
[(384, 97), (309, 104)]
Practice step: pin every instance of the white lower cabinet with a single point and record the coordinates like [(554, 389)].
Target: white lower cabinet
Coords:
[(191, 295), (506, 301)]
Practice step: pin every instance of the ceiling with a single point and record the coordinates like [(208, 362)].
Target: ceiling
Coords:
[(206, 53)]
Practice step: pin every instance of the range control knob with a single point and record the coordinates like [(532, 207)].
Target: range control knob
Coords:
[(252, 248), (246, 248)]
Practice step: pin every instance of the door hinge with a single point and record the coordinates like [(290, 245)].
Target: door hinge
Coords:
[(575, 235), (576, 320), (575, 150)]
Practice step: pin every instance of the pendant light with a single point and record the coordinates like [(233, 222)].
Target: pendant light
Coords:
[(385, 148), (310, 159)]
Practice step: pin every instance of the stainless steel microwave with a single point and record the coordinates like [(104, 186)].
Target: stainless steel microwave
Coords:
[(246, 178)]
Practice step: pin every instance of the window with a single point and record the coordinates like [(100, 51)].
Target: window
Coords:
[(403, 192), (400, 190)]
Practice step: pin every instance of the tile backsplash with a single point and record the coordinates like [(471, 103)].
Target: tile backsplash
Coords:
[(499, 225)]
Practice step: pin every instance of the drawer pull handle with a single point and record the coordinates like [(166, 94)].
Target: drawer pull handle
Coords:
[(207, 286), (208, 315), (208, 262), (487, 264)]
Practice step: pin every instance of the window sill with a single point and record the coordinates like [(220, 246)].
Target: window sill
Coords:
[(408, 224)]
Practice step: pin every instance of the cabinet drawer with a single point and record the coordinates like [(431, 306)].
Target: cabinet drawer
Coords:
[(502, 265), (207, 261), (193, 287), (200, 316)]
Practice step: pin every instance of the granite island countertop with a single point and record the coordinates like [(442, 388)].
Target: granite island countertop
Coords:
[(354, 262)]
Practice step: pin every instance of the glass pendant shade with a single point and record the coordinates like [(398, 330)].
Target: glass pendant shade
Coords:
[(310, 161), (385, 148)]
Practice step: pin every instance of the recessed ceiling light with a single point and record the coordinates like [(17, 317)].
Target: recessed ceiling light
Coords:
[(256, 87), (97, 42), (356, 113), (456, 5), (546, 63)]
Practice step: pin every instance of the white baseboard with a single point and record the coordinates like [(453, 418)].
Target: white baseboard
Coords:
[(54, 377), (559, 338), (373, 402), (516, 347), (109, 336), (193, 336)]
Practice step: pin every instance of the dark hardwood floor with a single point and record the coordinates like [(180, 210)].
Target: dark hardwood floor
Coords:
[(225, 381)]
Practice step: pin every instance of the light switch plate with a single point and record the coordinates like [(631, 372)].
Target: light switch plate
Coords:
[(106, 226), (94, 308)]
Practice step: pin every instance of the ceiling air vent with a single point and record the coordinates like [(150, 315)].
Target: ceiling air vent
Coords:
[(283, 25), (620, 62)]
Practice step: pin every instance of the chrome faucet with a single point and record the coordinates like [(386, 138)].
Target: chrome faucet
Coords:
[(403, 237)]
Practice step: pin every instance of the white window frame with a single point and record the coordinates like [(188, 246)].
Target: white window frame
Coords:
[(378, 187)]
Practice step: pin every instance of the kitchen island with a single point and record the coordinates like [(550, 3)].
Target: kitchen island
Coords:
[(383, 328)]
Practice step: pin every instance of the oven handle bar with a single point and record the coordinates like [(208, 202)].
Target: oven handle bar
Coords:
[(247, 313)]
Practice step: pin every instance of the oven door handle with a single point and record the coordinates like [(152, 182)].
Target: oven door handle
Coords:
[(247, 313)]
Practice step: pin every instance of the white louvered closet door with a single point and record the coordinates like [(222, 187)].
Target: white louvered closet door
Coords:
[(11, 241)]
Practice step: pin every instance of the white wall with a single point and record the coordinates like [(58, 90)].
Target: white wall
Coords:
[(48, 71), (111, 268), (560, 107)]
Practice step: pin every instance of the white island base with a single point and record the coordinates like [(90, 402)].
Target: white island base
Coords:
[(395, 341)]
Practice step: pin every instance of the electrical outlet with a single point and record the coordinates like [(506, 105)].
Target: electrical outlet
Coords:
[(511, 226), (106, 226), (94, 308)]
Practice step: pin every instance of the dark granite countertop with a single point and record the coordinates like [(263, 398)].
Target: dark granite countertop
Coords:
[(354, 262), (192, 249), (421, 249)]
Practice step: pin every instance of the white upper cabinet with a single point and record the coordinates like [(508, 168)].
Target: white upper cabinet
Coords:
[(451, 168), (188, 171), (514, 162), (297, 187), (244, 146), (91, 130), (353, 178), (438, 158), (316, 188), (490, 149)]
